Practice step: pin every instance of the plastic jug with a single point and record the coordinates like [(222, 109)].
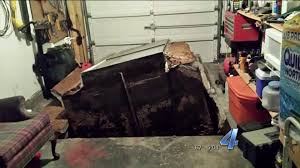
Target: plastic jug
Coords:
[(270, 96)]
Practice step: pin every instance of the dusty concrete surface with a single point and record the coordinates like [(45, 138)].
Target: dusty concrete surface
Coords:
[(144, 152), (220, 98)]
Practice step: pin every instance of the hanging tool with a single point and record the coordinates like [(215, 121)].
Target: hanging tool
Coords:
[(69, 24), (25, 18), (59, 5), (52, 18), (47, 46), (17, 23), (42, 31), (42, 7)]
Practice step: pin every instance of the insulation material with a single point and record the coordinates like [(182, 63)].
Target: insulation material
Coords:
[(178, 53)]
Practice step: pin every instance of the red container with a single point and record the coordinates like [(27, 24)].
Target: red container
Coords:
[(244, 103), (239, 28)]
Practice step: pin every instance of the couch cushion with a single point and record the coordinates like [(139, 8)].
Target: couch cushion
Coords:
[(15, 136)]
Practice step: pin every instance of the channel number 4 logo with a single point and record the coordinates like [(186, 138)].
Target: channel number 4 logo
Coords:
[(229, 139)]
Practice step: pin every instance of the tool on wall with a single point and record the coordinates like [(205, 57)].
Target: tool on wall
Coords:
[(17, 23), (25, 18), (69, 25), (6, 19), (53, 20), (59, 5)]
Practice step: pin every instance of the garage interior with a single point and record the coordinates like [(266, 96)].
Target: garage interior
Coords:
[(150, 84)]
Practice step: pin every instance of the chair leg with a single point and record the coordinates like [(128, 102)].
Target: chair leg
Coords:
[(53, 146)]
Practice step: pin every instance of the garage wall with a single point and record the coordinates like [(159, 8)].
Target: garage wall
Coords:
[(17, 77), (17, 58)]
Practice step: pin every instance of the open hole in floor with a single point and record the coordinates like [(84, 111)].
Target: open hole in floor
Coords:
[(138, 98)]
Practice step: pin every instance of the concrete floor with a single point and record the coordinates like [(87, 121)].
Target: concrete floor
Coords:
[(144, 152), (220, 98)]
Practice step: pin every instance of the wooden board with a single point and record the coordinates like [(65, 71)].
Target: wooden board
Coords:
[(277, 26), (59, 125), (250, 15), (76, 15), (246, 77), (38, 14), (41, 7)]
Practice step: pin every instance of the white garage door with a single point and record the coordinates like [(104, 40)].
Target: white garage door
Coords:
[(119, 25)]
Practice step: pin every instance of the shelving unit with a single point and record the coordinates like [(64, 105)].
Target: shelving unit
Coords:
[(288, 137), (276, 72), (250, 15)]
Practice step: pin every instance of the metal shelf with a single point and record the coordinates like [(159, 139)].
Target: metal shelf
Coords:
[(273, 70), (291, 136)]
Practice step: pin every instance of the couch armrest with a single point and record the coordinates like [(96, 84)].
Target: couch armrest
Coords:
[(13, 109)]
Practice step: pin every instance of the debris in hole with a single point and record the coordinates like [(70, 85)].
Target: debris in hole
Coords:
[(136, 97)]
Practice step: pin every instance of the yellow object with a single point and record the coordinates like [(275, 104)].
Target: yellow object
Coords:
[(17, 23)]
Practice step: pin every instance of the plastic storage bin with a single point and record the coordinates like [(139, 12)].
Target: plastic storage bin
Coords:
[(270, 96), (244, 104), (262, 80)]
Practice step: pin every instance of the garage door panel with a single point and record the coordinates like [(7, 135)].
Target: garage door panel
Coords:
[(100, 9), (193, 19), (118, 31), (171, 7), (119, 25), (185, 34), (205, 50), (102, 51)]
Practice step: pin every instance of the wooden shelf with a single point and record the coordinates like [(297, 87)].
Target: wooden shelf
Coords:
[(277, 26), (250, 15)]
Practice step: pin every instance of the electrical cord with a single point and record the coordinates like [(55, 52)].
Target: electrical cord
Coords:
[(7, 18)]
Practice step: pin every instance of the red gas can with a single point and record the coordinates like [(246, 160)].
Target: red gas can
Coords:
[(244, 103)]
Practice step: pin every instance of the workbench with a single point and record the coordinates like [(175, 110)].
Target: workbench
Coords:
[(258, 18)]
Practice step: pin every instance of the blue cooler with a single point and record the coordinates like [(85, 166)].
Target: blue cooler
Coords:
[(262, 80)]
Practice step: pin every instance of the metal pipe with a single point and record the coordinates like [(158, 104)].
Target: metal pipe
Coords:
[(112, 17), (220, 15), (126, 44), (179, 26), (182, 13), (287, 162), (145, 15), (133, 114)]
